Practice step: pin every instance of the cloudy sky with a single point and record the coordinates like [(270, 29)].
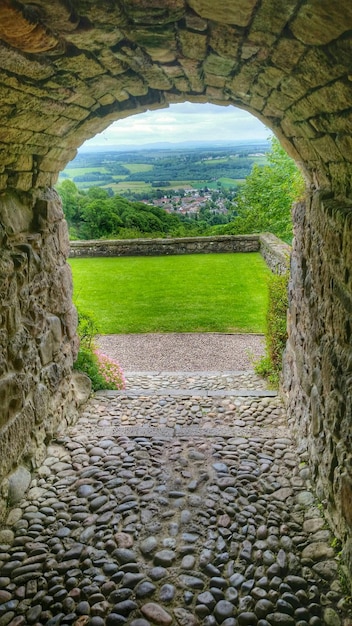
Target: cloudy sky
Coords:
[(182, 122)]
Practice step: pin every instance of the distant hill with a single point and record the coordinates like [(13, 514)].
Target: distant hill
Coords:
[(166, 145)]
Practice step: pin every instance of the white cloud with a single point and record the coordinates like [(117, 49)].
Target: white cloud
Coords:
[(183, 122)]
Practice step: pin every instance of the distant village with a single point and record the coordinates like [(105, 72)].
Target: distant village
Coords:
[(192, 201)]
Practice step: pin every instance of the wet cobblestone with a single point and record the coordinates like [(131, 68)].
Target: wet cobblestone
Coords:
[(166, 510)]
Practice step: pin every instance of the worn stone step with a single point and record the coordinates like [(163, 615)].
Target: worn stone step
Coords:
[(209, 380), (188, 393)]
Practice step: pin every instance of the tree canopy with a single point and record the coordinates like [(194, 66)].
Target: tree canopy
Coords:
[(264, 201), (96, 214)]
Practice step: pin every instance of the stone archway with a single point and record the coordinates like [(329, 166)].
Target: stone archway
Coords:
[(70, 68)]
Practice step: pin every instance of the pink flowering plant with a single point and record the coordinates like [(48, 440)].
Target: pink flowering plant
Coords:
[(104, 372), (110, 370)]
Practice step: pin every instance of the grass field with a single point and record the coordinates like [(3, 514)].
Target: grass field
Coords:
[(134, 186), (138, 167), (193, 293), (79, 171)]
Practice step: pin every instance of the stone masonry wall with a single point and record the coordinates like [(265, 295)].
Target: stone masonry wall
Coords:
[(156, 247), (318, 361), (37, 332), (275, 252)]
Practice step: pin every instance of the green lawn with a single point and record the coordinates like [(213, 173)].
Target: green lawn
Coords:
[(192, 293)]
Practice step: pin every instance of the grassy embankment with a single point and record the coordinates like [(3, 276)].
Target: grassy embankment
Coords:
[(224, 293)]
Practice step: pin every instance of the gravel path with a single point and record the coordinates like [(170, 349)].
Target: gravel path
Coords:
[(183, 351)]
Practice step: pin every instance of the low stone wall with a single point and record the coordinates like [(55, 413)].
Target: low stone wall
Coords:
[(161, 247), (37, 334), (275, 252)]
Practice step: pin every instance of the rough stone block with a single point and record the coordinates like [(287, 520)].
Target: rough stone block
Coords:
[(82, 387), (346, 498), (215, 64), (272, 16), (61, 290), (225, 40), (46, 348), (238, 13), (193, 45), (320, 22), (11, 397), (82, 65), (15, 438), (41, 400), (15, 216), (49, 207), (71, 321), (19, 482), (192, 70), (157, 79), (155, 11)]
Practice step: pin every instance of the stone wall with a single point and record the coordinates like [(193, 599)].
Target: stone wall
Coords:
[(37, 332), (318, 360), (161, 247), (276, 253)]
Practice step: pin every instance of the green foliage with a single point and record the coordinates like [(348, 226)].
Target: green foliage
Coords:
[(96, 214), (103, 372), (70, 197), (87, 362), (270, 365), (265, 199), (87, 328), (172, 293)]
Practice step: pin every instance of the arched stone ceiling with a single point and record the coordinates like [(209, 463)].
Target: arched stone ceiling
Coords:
[(70, 68)]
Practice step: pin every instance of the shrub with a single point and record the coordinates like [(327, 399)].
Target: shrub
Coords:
[(104, 372), (87, 329), (270, 365)]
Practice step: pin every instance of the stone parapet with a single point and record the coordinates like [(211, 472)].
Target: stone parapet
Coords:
[(275, 252), (162, 247)]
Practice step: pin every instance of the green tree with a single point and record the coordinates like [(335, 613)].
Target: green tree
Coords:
[(96, 214), (70, 197), (264, 201), (99, 219)]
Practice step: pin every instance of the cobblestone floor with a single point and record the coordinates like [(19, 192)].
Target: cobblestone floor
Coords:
[(172, 505), (196, 380)]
